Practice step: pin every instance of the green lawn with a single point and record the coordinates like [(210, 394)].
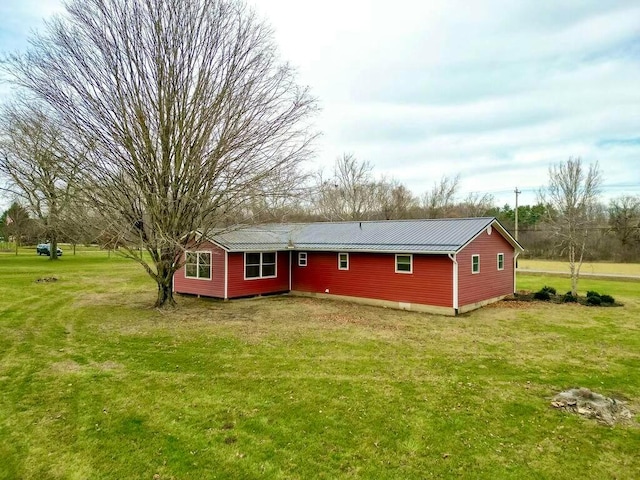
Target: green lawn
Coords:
[(96, 384)]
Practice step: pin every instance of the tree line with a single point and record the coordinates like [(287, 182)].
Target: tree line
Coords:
[(351, 191)]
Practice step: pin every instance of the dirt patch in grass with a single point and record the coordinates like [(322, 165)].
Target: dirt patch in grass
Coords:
[(511, 303), (107, 366), (343, 319), (291, 317), (66, 366), (142, 300), (69, 366), (582, 401)]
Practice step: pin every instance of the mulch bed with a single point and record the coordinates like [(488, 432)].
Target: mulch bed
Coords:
[(46, 280), (522, 297)]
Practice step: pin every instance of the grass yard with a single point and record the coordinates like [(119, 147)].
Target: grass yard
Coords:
[(587, 267), (67, 250), (96, 384)]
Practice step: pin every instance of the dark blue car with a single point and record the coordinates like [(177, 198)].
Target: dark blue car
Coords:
[(44, 249)]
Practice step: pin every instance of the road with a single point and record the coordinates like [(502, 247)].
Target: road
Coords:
[(613, 276)]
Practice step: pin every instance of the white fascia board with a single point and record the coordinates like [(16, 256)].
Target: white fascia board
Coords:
[(345, 250), (496, 225)]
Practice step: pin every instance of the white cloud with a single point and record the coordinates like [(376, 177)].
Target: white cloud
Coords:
[(494, 89)]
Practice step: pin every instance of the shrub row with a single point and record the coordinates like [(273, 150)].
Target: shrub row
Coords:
[(544, 293), (593, 298)]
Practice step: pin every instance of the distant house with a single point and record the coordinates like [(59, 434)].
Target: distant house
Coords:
[(445, 266)]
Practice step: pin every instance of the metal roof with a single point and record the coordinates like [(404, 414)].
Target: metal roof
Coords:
[(392, 236)]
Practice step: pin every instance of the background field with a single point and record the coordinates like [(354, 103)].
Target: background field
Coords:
[(587, 267), (96, 384)]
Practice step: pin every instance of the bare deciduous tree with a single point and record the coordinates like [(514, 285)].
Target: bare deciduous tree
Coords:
[(395, 201), (350, 193), (186, 108), (624, 220), (33, 159), (475, 205), (571, 197), (16, 224), (438, 201)]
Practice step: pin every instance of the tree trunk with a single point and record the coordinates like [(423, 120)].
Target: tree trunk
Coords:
[(165, 296), (53, 248), (574, 284), (164, 279), (574, 269)]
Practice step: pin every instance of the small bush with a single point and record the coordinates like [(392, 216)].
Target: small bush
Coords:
[(549, 290), (568, 298), (607, 299), (591, 293), (542, 295), (593, 300)]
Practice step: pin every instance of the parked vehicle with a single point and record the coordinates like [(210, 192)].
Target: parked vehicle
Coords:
[(45, 249)]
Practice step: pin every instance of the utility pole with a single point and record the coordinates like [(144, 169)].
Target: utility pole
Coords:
[(517, 192)]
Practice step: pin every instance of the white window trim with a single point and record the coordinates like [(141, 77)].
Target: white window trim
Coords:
[(259, 277), (410, 255), (472, 257), (339, 267), (300, 257), (498, 261), (198, 252)]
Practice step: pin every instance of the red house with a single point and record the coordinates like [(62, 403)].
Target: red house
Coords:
[(445, 266)]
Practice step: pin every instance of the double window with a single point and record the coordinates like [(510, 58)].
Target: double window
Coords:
[(404, 263), (198, 265), (302, 259), (260, 265)]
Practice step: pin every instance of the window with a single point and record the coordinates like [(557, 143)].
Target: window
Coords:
[(343, 261), (260, 265), (302, 259), (198, 265), (501, 261), (404, 263), (475, 264), (269, 264)]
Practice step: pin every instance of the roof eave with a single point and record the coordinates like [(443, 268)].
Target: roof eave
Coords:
[(345, 250), (211, 240), (494, 223)]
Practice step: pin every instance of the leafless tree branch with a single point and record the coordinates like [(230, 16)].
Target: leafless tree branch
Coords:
[(185, 110)]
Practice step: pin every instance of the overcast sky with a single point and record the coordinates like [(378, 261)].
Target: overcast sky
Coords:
[(493, 90)]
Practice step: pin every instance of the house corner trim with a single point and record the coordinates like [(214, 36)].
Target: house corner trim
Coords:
[(226, 275), (453, 258)]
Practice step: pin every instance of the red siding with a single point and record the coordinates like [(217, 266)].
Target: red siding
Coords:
[(239, 287), (372, 275), (209, 288), (490, 282)]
